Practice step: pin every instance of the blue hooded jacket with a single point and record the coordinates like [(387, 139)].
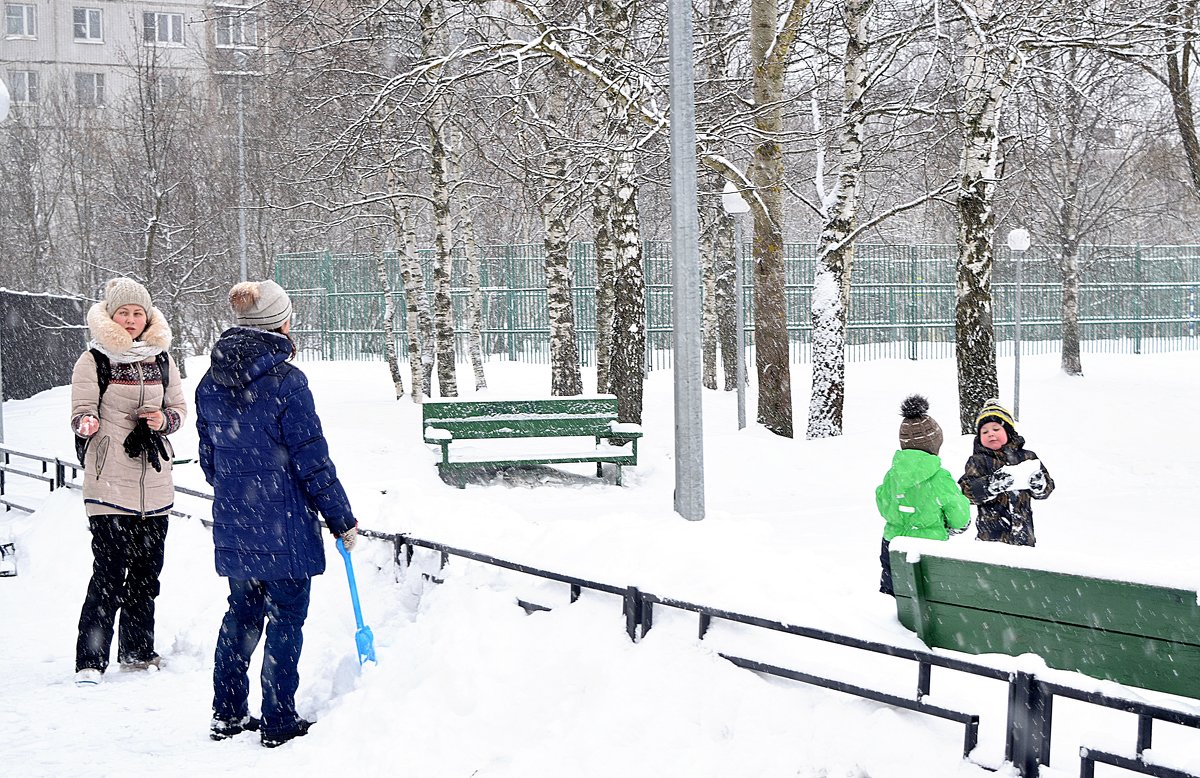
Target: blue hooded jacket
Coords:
[(263, 452)]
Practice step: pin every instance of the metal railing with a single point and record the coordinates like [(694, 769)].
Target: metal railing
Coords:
[(1029, 717)]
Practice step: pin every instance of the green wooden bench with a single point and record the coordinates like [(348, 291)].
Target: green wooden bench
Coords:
[(448, 422), (1132, 633)]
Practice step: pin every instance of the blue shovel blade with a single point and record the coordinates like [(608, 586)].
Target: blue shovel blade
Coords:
[(366, 644)]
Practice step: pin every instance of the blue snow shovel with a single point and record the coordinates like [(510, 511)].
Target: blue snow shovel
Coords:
[(363, 637)]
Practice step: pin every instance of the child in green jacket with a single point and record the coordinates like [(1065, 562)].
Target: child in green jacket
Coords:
[(918, 497)]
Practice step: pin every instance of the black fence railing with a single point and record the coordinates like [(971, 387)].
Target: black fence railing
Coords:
[(1030, 703)]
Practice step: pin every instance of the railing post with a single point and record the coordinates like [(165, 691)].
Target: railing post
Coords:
[(924, 679), (1145, 734), (633, 611), (1027, 744)]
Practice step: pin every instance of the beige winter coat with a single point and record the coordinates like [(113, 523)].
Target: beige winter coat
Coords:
[(113, 481)]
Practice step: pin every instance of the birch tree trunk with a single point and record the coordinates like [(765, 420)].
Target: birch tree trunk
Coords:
[(708, 308), (605, 269), (1068, 266), (1069, 217), (565, 376), (418, 322), (433, 45), (725, 257), (987, 79), (718, 225), (474, 305), (1181, 20), (831, 281), (769, 55), (626, 354), (389, 318), (629, 314), (474, 300)]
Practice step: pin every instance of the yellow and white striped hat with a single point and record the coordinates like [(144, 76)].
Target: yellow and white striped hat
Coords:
[(993, 411)]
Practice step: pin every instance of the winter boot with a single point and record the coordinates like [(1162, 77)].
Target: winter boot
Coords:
[(223, 729), (153, 663), (299, 729), (8, 560), (88, 676)]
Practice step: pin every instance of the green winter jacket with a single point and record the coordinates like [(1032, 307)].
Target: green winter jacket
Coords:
[(919, 499)]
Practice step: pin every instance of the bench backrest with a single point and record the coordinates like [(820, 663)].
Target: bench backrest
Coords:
[(1132, 633), (553, 417)]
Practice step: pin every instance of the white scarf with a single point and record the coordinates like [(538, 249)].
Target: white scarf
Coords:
[(138, 352)]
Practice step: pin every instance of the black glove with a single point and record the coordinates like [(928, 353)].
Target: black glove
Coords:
[(999, 482), (143, 440), (1037, 482)]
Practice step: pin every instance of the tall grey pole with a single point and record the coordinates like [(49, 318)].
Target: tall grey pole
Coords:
[(1, 391), (1018, 240), (685, 261), (4, 103), (241, 155), (740, 320), (1019, 255)]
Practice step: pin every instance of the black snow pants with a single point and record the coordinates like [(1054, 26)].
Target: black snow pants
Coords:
[(127, 554)]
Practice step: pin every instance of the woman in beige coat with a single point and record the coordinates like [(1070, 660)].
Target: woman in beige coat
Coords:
[(127, 486)]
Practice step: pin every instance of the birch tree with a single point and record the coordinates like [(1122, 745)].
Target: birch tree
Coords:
[(771, 42), (831, 280), (991, 61), (434, 46), (621, 287), (566, 379), (465, 226)]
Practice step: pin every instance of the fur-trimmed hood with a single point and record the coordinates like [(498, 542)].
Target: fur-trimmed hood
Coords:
[(114, 338)]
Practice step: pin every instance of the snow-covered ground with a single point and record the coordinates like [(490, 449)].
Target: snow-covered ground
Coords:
[(467, 684)]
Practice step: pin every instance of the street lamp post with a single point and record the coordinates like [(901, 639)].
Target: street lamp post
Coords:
[(4, 103), (241, 155), (1018, 242), (735, 205), (685, 261)]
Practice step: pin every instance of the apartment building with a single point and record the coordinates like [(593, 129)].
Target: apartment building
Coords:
[(89, 48)]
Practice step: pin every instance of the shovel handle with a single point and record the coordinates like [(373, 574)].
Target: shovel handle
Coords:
[(353, 586)]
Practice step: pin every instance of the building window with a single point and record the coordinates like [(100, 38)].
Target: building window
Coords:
[(23, 84), (89, 89), (168, 87), (89, 24), (236, 27), (20, 20), (162, 29)]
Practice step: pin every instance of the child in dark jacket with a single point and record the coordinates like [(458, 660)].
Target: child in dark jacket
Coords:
[(918, 497), (1003, 478)]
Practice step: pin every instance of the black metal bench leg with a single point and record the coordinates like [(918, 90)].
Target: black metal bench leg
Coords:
[(599, 469)]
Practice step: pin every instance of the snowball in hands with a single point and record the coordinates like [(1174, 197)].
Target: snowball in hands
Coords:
[(1021, 472)]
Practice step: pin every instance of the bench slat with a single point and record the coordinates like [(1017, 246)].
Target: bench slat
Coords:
[(550, 428), (574, 406), (448, 421)]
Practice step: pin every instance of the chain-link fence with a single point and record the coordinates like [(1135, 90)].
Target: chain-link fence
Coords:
[(1131, 299)]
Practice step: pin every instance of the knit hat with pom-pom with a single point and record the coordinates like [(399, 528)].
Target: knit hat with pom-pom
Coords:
[(992, 410), (126, 291), (919, 430), (261, 304)]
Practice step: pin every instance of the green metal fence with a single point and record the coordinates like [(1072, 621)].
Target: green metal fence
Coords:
[(1132, 299)]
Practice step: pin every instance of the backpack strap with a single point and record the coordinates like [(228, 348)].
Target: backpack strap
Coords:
[(103, 374), (164, 368)]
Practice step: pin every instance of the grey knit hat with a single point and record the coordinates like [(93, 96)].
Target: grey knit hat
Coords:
[(261, 304), (919, 430), (126, 291)]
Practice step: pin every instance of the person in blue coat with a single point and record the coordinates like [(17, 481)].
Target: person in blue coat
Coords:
[(263, 452)]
